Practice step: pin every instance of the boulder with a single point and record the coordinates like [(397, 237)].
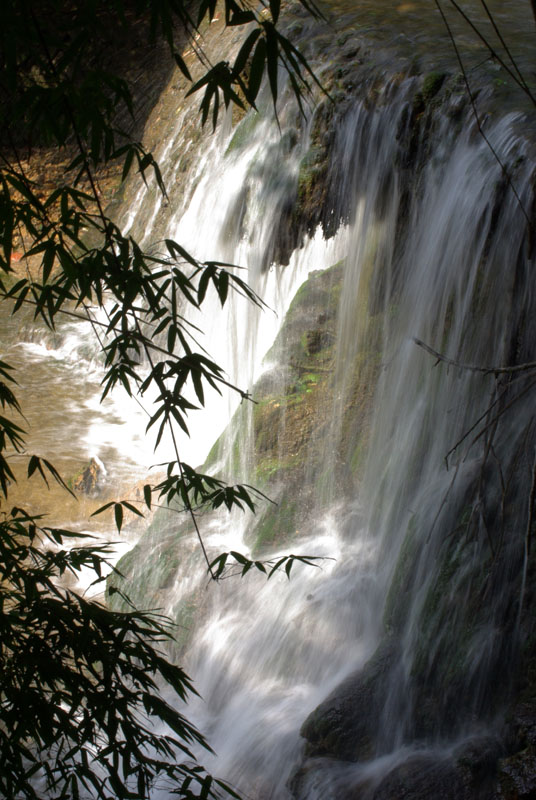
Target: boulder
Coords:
[(345, 725), (423, 777), (89, 480)]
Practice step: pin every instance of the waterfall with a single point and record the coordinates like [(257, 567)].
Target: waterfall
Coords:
[(409, 473), (448, 541)]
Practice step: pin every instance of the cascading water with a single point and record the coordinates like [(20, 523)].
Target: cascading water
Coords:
[(393, 245), (236, 196), (448, 542), (413, 631)]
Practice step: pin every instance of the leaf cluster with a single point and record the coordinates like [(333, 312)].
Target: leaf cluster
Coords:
[(80, 699), (264, 50), (59, 86), (225, 564), (79, 683)]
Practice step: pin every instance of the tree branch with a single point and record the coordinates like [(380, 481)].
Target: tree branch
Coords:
[(526, 367)]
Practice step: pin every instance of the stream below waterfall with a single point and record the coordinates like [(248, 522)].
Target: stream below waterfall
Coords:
[(382, 672)]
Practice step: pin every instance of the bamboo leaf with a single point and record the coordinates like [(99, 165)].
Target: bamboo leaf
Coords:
[(182, 66), (257, 70), (272, 58), (275, 6), (118, 513), (223, 286), (131, 507), (103, 508), (245, 51), (147, 495)]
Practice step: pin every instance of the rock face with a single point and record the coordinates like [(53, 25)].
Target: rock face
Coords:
[(345, 725), (422, 777), (290, 438), (298, 452), (438, 699), (475, 770)]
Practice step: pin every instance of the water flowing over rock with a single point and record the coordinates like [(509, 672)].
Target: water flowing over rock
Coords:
[(404, 668)]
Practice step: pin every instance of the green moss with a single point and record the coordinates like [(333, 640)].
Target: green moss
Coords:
[(317, 288), (276, 528), (185, 616), (312, 170), (126, 563), (432, 84), (232, 435), (324, 484), (418, 103), (266, 469), (305, 384), (243, 132), (215, 454), (156, 556), (160, 566), (449, 620), (275, 467), (449, 567)]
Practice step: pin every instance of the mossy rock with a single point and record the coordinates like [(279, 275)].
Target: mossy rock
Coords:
[(431, 85), (276, 527), (160, 553), (290, 432), (89, 480), (243, 132)]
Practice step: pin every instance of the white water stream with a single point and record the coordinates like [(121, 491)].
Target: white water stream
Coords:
[(269, 653), (445, 264)]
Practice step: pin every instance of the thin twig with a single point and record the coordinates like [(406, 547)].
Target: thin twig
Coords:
[(189, 507), (501, 412), (474, 109), (529, 365), (530, 511), (480, 418), (442, 504), (506, 48), (481, 506), (493, 53)]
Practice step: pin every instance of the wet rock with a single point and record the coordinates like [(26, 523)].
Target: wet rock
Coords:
[(432, 84), (423, 778), (477, 760), (469, 772), (325, 777), (317, 340), (345, 724), (351, 49), (89, 480), (522, 724), (516, 771), (517, 776)]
